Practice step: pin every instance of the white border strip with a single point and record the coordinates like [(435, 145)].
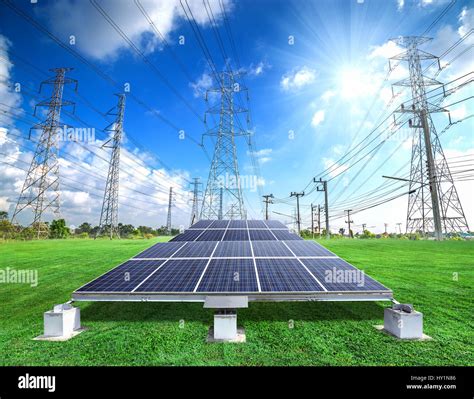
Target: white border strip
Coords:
[(207, 264)]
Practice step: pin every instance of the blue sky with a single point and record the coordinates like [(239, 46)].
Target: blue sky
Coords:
[(311, 96)]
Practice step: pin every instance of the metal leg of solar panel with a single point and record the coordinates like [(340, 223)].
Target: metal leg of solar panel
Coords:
[(62, 323)]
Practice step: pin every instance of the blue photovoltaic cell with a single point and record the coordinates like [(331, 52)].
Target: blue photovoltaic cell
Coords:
[(270, 249), (285, 275), (219, 224), (229, 275), (283, 235), (275, 224), (201, 224), (161, 250), (188, 235), (338, 275), (175, 276), (261, 235), (236, 235), (124, 277), (256, 224), (211, 235), (233, 249), (238, 224), (308, 248), (196, 249)]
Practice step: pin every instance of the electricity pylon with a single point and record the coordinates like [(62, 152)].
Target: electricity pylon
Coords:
[(109, 214), (170, 204), (224, 171), (195, 211), (435, 205), (41, 187)]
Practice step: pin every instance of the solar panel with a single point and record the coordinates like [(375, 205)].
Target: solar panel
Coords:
[(218, 257), (211, 235), (201, 224), (238, 224), (174, 276), (275, 224), (338, 275), (233, 249), (285, 235), (256, 224), (196, 249), (258, 235), (236, 235), (219, 224), (161, 250), (270, 249), (188, 235), (123, 278), (285, 275), (307, 248), (229, 275)]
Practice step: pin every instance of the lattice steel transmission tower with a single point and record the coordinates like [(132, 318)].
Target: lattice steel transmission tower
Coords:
[(109, 215), (435, 205), (170, 204), (41, 187), (195, 211), (224, 171)]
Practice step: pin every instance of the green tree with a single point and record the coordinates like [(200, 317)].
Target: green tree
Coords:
[(84, 228), (58, 229), (3, 215)]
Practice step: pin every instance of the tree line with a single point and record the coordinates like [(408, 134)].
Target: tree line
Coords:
[(58, 229)]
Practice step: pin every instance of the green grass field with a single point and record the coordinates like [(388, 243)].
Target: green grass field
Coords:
[(419, 272)]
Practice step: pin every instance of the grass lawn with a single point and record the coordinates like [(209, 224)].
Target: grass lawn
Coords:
[(419, 272)]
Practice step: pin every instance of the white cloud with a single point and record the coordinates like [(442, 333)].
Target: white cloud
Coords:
[(258, 69), (466, 20), (201, 85), (298, 78), (328, 94), (335, 168), (263, 155), (318, 118), (96, 38), (400, 4)]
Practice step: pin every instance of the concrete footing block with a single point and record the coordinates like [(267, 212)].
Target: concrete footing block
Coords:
[(61, 323), (403, 322), (225, 328)]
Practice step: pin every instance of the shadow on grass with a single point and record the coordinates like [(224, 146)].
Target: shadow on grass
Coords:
[(268, 311)]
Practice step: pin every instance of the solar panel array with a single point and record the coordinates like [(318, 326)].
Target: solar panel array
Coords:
[(235, 256)]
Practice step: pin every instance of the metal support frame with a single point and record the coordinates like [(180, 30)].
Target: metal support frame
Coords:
[(433, 202), (224, 170), (108, 223), (40, 189)]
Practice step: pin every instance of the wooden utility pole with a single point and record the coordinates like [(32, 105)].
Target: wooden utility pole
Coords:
[(324, 188), (267, 199), (298, 219), (349, 221)]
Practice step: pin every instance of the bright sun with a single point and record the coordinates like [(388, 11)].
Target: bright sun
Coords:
[(353, 82)]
